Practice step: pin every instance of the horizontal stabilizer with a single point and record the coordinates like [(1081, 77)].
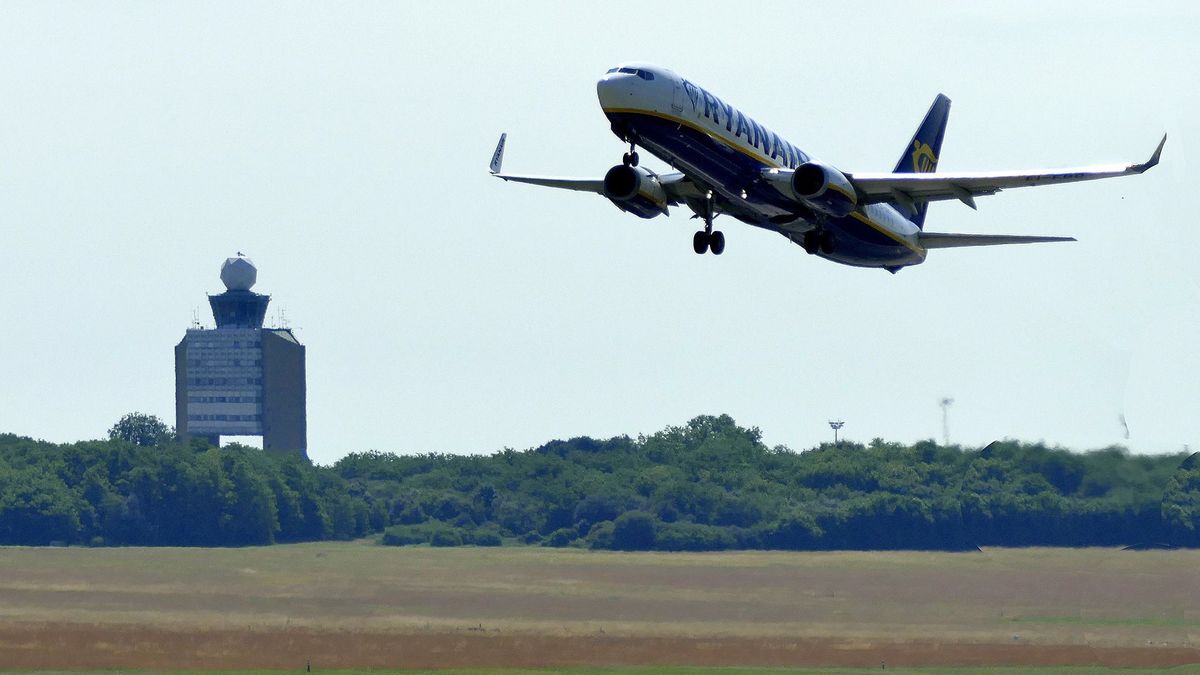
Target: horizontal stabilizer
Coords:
[(947, 240)]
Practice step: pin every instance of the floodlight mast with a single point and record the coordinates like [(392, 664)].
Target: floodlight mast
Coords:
[(946, 403), (835, 425)]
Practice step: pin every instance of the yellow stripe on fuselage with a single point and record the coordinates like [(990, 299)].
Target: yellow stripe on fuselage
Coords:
[(696, 127), (895, 236)]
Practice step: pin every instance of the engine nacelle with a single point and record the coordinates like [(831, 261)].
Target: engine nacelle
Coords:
[(635, 190), (824, 188)]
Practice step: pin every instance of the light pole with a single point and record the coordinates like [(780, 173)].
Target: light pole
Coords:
[(946, 403), (835, 425)]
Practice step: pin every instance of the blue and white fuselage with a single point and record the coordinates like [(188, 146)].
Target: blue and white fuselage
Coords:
[(711, 141), (728, 164)]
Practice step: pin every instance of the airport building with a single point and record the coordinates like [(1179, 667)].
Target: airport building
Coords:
[(241, 379)]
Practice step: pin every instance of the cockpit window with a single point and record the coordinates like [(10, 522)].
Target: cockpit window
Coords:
[(644, 74)]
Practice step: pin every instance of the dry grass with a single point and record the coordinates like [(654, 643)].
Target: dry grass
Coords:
[(493, 601)]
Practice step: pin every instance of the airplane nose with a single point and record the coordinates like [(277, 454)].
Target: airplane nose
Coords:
[(616, 89)]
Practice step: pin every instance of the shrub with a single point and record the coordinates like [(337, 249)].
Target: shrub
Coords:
[(411, 515), (560, 537), (404, 535), (693, 537), (424, 533), (598, 508), (601, 536), (487, 539), (446, 538), (488, 535), (794, 532), (634, 531)]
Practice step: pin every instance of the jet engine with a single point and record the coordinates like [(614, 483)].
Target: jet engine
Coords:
[(824, 188), (636, 190)]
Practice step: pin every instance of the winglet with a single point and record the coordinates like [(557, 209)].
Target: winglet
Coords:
[(498, 156), (1153, 161)]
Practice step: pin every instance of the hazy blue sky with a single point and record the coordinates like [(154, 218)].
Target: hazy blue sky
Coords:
[(344, 146)]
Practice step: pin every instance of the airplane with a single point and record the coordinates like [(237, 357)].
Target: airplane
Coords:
[(727, 163)]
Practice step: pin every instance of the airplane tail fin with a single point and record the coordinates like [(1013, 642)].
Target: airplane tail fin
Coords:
[(922, 152)]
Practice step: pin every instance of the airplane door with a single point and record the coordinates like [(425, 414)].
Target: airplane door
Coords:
[(678, 99)]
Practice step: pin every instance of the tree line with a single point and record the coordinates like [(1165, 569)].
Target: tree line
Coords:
[(143, 487), (709, 484)]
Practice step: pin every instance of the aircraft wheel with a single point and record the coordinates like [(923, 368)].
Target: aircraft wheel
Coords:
[(626, 159), (828, 243), (700, 242), (633, 158), (717, 242), (811, 242)]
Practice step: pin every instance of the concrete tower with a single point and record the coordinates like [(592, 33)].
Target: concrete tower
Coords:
[(241, 379)]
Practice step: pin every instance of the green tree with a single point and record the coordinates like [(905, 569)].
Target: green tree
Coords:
[(36, 509), (141, 429), (634, 531)]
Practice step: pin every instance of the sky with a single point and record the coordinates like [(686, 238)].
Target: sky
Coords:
[(344, 148)]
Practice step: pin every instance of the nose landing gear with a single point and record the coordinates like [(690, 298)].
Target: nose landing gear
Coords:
[(630, 158)]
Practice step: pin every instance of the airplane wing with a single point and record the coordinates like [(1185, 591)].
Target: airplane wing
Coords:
[(947, 240), (675, 185), (578, 184), (908, 188)]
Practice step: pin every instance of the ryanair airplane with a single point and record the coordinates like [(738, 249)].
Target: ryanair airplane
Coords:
[(727, 163)]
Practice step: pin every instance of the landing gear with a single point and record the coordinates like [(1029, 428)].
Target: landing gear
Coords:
[(703, 242), (819, 240), (630, 158), (716, 242), (827, 242), (708, 240), (811, 242)]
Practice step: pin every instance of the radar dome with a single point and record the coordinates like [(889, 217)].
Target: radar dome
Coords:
[(239, 274)]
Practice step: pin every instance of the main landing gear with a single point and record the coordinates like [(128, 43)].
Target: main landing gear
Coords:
[(702, 242), (707, 239), (818, 240)]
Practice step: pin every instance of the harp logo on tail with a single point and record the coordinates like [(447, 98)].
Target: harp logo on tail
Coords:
[(924, 161)]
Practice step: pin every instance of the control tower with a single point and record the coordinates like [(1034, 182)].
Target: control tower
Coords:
[(241, 379)]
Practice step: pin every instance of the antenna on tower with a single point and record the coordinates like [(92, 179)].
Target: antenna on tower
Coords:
[(835, 425), (946, 403), (195, 317)]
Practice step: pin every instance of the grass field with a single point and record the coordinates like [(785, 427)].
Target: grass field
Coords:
[(717, 670), (356, 605)]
